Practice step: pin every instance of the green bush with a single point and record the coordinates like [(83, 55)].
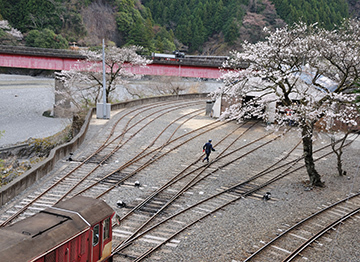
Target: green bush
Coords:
[(45, 39)]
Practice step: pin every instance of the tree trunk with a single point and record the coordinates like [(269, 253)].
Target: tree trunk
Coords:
[(339, 153), (315, 179)]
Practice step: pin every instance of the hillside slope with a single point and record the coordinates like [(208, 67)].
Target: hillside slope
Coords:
[(251, 30), (210, 27)]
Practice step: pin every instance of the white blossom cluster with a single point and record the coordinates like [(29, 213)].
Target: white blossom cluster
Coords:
[(4, 25), (300, 74), (83, 84)]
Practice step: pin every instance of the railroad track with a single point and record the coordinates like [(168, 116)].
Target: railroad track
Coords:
[(144, 232), (94, 185), (81, 170), (147, 211), (292, 243), (117, 162)]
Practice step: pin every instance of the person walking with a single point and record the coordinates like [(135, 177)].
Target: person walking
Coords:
[(207, 148)]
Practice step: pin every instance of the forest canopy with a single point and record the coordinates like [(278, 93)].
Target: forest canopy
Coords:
[(165, 25), (325, 12), (193, 22)]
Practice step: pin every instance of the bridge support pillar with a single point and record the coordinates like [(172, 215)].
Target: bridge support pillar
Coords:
[(62, 106)]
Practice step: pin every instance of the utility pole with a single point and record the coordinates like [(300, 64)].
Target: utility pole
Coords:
[(103, 109), (104, 79)]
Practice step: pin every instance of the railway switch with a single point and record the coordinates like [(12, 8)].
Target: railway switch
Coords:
[(120, 204), (267, 196)]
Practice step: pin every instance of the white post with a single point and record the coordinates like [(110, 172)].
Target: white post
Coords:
[(104, 80)]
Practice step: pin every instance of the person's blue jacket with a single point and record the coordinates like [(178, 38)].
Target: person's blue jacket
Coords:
[(208, 148)]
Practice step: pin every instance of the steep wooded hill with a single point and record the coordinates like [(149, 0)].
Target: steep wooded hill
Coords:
[(210, 27)]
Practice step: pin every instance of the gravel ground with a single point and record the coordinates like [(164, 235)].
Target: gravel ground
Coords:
[(231, 235), (237, 230)]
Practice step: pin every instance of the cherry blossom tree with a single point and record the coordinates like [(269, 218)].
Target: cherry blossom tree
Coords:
[(9, 31), (84, 83), (300, 74)]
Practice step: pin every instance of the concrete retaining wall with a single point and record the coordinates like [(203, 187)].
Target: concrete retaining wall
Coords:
[(38, 171)]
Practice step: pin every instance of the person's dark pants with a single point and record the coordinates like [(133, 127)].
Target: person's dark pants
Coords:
[(207, 156)]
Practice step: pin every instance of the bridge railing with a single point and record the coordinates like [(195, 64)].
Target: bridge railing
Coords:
[(34, 51), (188, 60)]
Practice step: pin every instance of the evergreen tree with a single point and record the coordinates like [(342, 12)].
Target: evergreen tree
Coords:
[(138, 35), (198, 32), (193, 21), (218, 17), (231, 32), (325, 12)]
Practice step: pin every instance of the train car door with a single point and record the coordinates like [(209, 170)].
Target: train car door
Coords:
[(96, 243)]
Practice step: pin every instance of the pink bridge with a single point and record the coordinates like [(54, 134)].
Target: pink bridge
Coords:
[(50, 59)]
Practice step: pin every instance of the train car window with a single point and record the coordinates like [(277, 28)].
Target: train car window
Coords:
[(96, 235), (106, 225)]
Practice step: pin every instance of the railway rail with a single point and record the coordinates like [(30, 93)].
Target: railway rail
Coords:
[(147, 212), (290, 244), (154, 213), (64, 185)]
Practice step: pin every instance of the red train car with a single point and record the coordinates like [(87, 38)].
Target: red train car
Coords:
[(76, 230)]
